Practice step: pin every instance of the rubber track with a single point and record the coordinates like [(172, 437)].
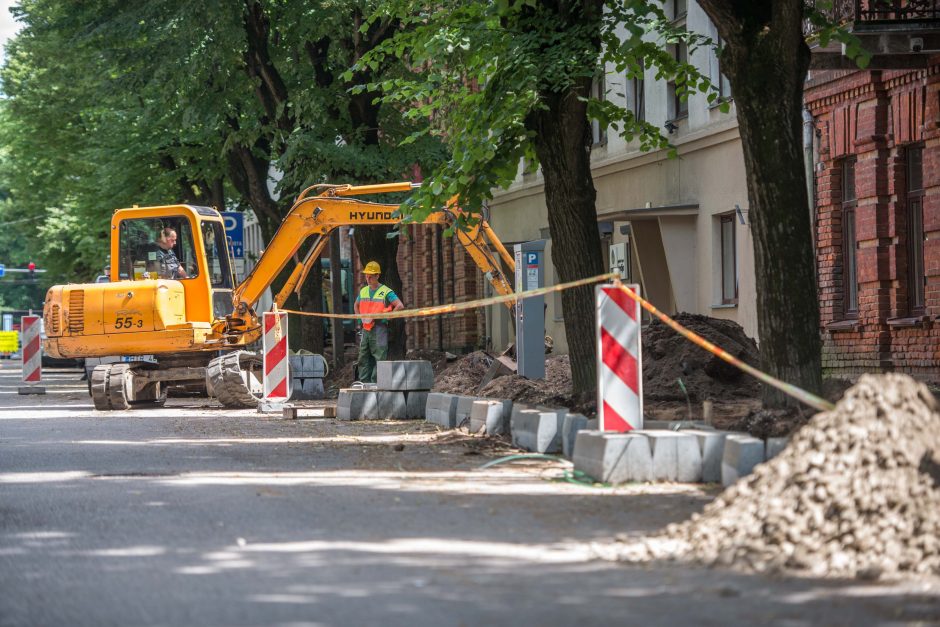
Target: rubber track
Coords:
[(99, 387), (225, 377)]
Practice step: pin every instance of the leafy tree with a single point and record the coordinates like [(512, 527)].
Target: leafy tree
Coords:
[(511, 79), (766, 58), (116, 103)]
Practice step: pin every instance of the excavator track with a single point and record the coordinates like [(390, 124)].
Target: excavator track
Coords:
[(235, 379), (115, 387)]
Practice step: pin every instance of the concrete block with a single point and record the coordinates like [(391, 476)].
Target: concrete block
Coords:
[(773, 446), (464, 406), (676, 456), (31, 389), (356, 404), (611, 457), (441, 409), (405, 375), (307, 389), (271, 407), (742, 453), (571, 424), (491, 416), (307, 366), (390, 405), (538, 430), (711, 445), (415, 404)]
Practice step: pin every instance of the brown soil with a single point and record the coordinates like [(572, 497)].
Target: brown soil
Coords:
[(855, 494), (675, 369)]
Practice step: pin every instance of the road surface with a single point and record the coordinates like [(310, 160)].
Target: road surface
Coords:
[(196, 515)]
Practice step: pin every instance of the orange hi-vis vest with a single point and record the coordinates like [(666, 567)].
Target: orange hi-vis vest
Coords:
[(374, 303)]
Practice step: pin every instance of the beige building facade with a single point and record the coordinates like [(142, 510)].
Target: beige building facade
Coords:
[(679, 224)]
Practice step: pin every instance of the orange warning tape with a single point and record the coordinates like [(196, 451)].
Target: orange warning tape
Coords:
[(788, 388), (473, 304)]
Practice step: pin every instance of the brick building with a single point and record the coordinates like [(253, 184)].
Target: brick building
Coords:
[(424, 280), (877, 214)]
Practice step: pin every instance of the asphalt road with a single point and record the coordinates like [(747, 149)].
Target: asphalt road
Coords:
[(195, 515)]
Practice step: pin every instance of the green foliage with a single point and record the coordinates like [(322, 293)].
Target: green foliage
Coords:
[(480, 69), (825, 30), (110, 103)]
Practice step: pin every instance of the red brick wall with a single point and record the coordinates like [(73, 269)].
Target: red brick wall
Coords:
[(874, 116)]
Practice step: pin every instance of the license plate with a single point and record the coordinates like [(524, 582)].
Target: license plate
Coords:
[(148, 358)]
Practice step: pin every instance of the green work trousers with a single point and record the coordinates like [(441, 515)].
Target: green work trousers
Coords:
[(372, 349)]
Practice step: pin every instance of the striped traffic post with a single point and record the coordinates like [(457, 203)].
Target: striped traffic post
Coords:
[(619, 360), (276, 364), (30, 327)]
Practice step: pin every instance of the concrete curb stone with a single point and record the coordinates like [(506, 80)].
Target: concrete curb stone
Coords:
[(416, 402), (712, 448), (538, 430), (611, 457), (742, 452), (441, 409), (572, 424), (354, 404), (405, 375), (491, 415)]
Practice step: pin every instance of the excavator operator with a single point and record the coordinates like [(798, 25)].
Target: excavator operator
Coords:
[(374, 298)]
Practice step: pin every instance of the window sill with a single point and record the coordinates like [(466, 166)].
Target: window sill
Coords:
[(913, 321), (720, 101), (724, 306), (843, 325)]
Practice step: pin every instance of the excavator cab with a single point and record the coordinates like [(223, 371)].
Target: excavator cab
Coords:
[(190, 247), (170, 280)]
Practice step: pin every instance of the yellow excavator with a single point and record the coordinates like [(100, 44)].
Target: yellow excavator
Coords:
[(172, 293)]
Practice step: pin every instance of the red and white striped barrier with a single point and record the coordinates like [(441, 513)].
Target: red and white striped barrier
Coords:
[(619, 361), (32, 348), (276, 364)]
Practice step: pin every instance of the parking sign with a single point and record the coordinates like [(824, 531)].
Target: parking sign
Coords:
[(235, 232)]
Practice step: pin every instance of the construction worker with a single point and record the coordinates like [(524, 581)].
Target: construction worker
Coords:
[(374, 298)]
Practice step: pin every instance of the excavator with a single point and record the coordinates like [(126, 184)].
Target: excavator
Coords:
[(195, 321)]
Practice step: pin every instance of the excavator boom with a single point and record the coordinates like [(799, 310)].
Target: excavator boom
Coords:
[(336, 206)]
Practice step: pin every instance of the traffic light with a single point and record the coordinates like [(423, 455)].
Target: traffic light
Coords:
[(32, 271)]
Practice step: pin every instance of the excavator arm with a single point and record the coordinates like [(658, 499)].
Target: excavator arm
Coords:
[(340, 205)]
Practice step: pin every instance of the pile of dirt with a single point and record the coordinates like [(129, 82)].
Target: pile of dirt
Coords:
[(464, 375), (855, 494), (553, 390), (668, 358)]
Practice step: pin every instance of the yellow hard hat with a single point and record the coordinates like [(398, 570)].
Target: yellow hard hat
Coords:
[(372, 268)]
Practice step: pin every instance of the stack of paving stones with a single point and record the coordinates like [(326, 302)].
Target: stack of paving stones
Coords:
[(685, 452), (401, 392), (307, 372)]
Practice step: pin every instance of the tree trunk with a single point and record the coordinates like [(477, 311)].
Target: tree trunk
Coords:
[(373, 245), (766, 60), (563, 144)]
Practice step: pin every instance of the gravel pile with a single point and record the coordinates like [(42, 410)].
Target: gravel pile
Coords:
[(855, 494)]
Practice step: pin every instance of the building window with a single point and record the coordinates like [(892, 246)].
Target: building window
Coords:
[(849, 243), (729, 260), (679, 9), (678, 104), (636, 95), (598, 92), (915, 230)]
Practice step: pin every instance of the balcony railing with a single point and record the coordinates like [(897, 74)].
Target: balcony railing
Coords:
[(875, 12), (896, 10)]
